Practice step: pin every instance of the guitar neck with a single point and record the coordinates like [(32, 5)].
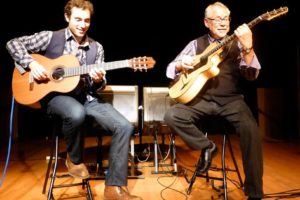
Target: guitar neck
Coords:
[(85, 69), (228, 39)]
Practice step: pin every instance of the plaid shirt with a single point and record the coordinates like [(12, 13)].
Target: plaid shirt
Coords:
[(20, 48)]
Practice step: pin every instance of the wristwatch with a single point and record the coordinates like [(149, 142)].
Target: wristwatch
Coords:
[(247, 50)]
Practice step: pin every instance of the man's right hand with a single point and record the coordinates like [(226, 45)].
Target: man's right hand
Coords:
[(38, 71), (185, 63)]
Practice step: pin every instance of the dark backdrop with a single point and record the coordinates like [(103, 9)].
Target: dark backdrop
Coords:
[(157, 28)]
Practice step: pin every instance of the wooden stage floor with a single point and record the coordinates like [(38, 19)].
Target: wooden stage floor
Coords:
[(27, 167)]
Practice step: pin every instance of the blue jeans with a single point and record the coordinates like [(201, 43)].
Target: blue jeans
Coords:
[(73, 114)]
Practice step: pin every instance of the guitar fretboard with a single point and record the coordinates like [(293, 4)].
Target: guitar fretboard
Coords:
[(85, 69)]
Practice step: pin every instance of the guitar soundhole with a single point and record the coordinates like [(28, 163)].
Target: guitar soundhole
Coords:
[(58, 74)]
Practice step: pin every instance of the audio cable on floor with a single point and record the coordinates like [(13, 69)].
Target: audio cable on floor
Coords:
[(9, 141)]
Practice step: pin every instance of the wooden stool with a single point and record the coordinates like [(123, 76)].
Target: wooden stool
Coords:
[(53, 176), (223, 169)]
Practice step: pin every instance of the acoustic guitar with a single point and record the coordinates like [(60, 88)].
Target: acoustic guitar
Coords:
[(64, 73), (188, 85)]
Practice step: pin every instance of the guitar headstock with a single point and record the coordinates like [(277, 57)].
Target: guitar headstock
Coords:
[(141, 63), (275, 13)]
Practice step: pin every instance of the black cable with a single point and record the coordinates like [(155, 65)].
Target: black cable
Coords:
[(169, 186), (289, 194)]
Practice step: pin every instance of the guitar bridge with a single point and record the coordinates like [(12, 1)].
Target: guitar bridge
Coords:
[(31, 82)]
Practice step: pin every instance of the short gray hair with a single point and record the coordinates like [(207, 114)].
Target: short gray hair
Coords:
[(209, 8)]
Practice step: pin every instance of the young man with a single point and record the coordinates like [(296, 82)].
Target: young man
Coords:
[(221, 95), (73, 107)]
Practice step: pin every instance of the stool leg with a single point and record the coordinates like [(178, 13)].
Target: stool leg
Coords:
[(234, 162), (89, 195), (50, 195), (49, 167), (193, 177), (155, 151), (174, 161), (132, 164), (191, 183), (163, 150), (224, 167), (99, 165)]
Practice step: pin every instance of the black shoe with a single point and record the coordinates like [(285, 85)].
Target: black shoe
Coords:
[(207, 155)]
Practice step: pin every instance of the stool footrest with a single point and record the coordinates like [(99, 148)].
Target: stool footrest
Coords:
[(67, 185)]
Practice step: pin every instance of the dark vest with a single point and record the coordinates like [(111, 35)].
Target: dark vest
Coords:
[(225, 87), (57, 45)]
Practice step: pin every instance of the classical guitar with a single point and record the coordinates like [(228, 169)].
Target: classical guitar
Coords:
[(64, 73), (188, 85)]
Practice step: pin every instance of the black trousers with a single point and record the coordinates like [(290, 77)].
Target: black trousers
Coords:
[(185, 120)]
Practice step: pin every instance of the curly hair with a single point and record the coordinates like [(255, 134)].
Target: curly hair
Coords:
[(84, 4)]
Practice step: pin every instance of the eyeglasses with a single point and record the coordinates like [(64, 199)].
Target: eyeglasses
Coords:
[(219, 20)]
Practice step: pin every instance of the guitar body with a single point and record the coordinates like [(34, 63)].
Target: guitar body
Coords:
[(29, 92), (189, 85)]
